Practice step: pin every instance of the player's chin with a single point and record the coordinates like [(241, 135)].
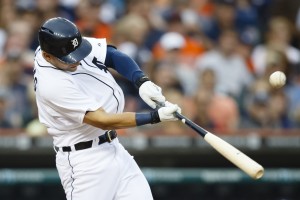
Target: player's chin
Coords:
[(72, 68)]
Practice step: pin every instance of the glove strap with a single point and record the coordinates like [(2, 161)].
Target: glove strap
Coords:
[(140, 81), (155, 117)]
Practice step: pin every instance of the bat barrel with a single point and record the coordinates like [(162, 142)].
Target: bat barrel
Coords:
[(235, 156), (242, 161), (249, 166)]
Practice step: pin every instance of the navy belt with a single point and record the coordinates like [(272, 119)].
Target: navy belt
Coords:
[(107, 137)]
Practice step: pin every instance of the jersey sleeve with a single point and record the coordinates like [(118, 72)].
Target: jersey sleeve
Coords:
[(67, 100), (123, 64), (99, 48)]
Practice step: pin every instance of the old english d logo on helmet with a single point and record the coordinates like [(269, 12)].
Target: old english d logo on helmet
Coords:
[(61, 38), (74, 42)]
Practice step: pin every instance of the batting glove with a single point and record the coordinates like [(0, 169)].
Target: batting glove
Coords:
[(167, 113), (151, 93)]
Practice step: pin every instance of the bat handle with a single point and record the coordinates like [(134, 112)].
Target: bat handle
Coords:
[(191, 124), (186, 121)]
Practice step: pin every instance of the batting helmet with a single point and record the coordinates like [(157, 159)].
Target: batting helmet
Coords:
[(61, 38)]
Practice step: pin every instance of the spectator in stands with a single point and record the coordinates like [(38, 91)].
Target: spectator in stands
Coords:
[(202, 100), (290, 10), (165, 75), (205, 10), (196, 42), (19, 34), (278, 38), (48, 9), (207, 80), (214, 111), (129, 35), (185, 21), (266, 107), (247, 22), (223, 113), (14, 81), (241, 15), (89, 22), (279, 109), (153, 12), (257, 105), (223, 18), (277, 60), (7, 13), (169, 51), (244, 49), (293, 95), (4, 123), (232, 74)]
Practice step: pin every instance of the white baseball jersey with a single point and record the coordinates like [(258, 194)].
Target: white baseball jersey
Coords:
[(64, 97)]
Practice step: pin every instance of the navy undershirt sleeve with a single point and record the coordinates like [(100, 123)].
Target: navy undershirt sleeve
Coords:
[(147, 118), (123, 64)]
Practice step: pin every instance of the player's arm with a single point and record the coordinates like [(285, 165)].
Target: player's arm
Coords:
[(107, 121), (128, 68)]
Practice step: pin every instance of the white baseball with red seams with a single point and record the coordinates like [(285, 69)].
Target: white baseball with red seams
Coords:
[(277, 79)]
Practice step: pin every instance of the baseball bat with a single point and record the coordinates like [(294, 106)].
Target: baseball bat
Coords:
[(241, 160)]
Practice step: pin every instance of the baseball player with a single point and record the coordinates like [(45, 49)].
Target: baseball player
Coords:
[(81, 105)]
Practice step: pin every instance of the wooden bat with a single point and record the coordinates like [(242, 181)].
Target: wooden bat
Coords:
[(245, 163)]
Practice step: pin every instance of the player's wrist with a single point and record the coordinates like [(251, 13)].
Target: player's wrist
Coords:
[(141, 80), (155, 117), (147, 118)]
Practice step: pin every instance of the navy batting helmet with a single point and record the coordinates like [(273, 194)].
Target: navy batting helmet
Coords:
[(61, 38)]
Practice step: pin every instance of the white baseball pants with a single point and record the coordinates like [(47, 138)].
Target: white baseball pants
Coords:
[(103, 172)]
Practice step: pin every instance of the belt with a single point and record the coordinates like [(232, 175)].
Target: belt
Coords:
[(107, 137)]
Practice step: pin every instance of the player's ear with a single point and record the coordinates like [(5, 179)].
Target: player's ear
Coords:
[(46, 56)]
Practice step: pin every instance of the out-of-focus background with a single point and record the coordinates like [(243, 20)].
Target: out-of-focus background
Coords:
[(212, 57)]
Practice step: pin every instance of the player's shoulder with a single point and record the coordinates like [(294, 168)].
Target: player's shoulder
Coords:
[(99, 48), (96, 42)]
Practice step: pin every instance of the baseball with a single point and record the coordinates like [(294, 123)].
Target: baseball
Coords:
[(277, 79)]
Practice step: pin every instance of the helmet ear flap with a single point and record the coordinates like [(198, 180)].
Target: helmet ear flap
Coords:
[(42, 37)]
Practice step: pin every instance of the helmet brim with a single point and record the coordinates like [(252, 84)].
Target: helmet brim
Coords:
[(79, 54)]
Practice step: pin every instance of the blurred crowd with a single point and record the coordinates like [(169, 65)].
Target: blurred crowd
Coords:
[(212, 57)]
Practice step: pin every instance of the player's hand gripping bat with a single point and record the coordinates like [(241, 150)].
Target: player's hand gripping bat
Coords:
[(249, 166)]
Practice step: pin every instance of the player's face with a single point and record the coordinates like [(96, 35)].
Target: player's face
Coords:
[(59, 64), (65, 66)]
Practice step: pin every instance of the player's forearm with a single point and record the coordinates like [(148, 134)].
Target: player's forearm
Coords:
[(107, 121)]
